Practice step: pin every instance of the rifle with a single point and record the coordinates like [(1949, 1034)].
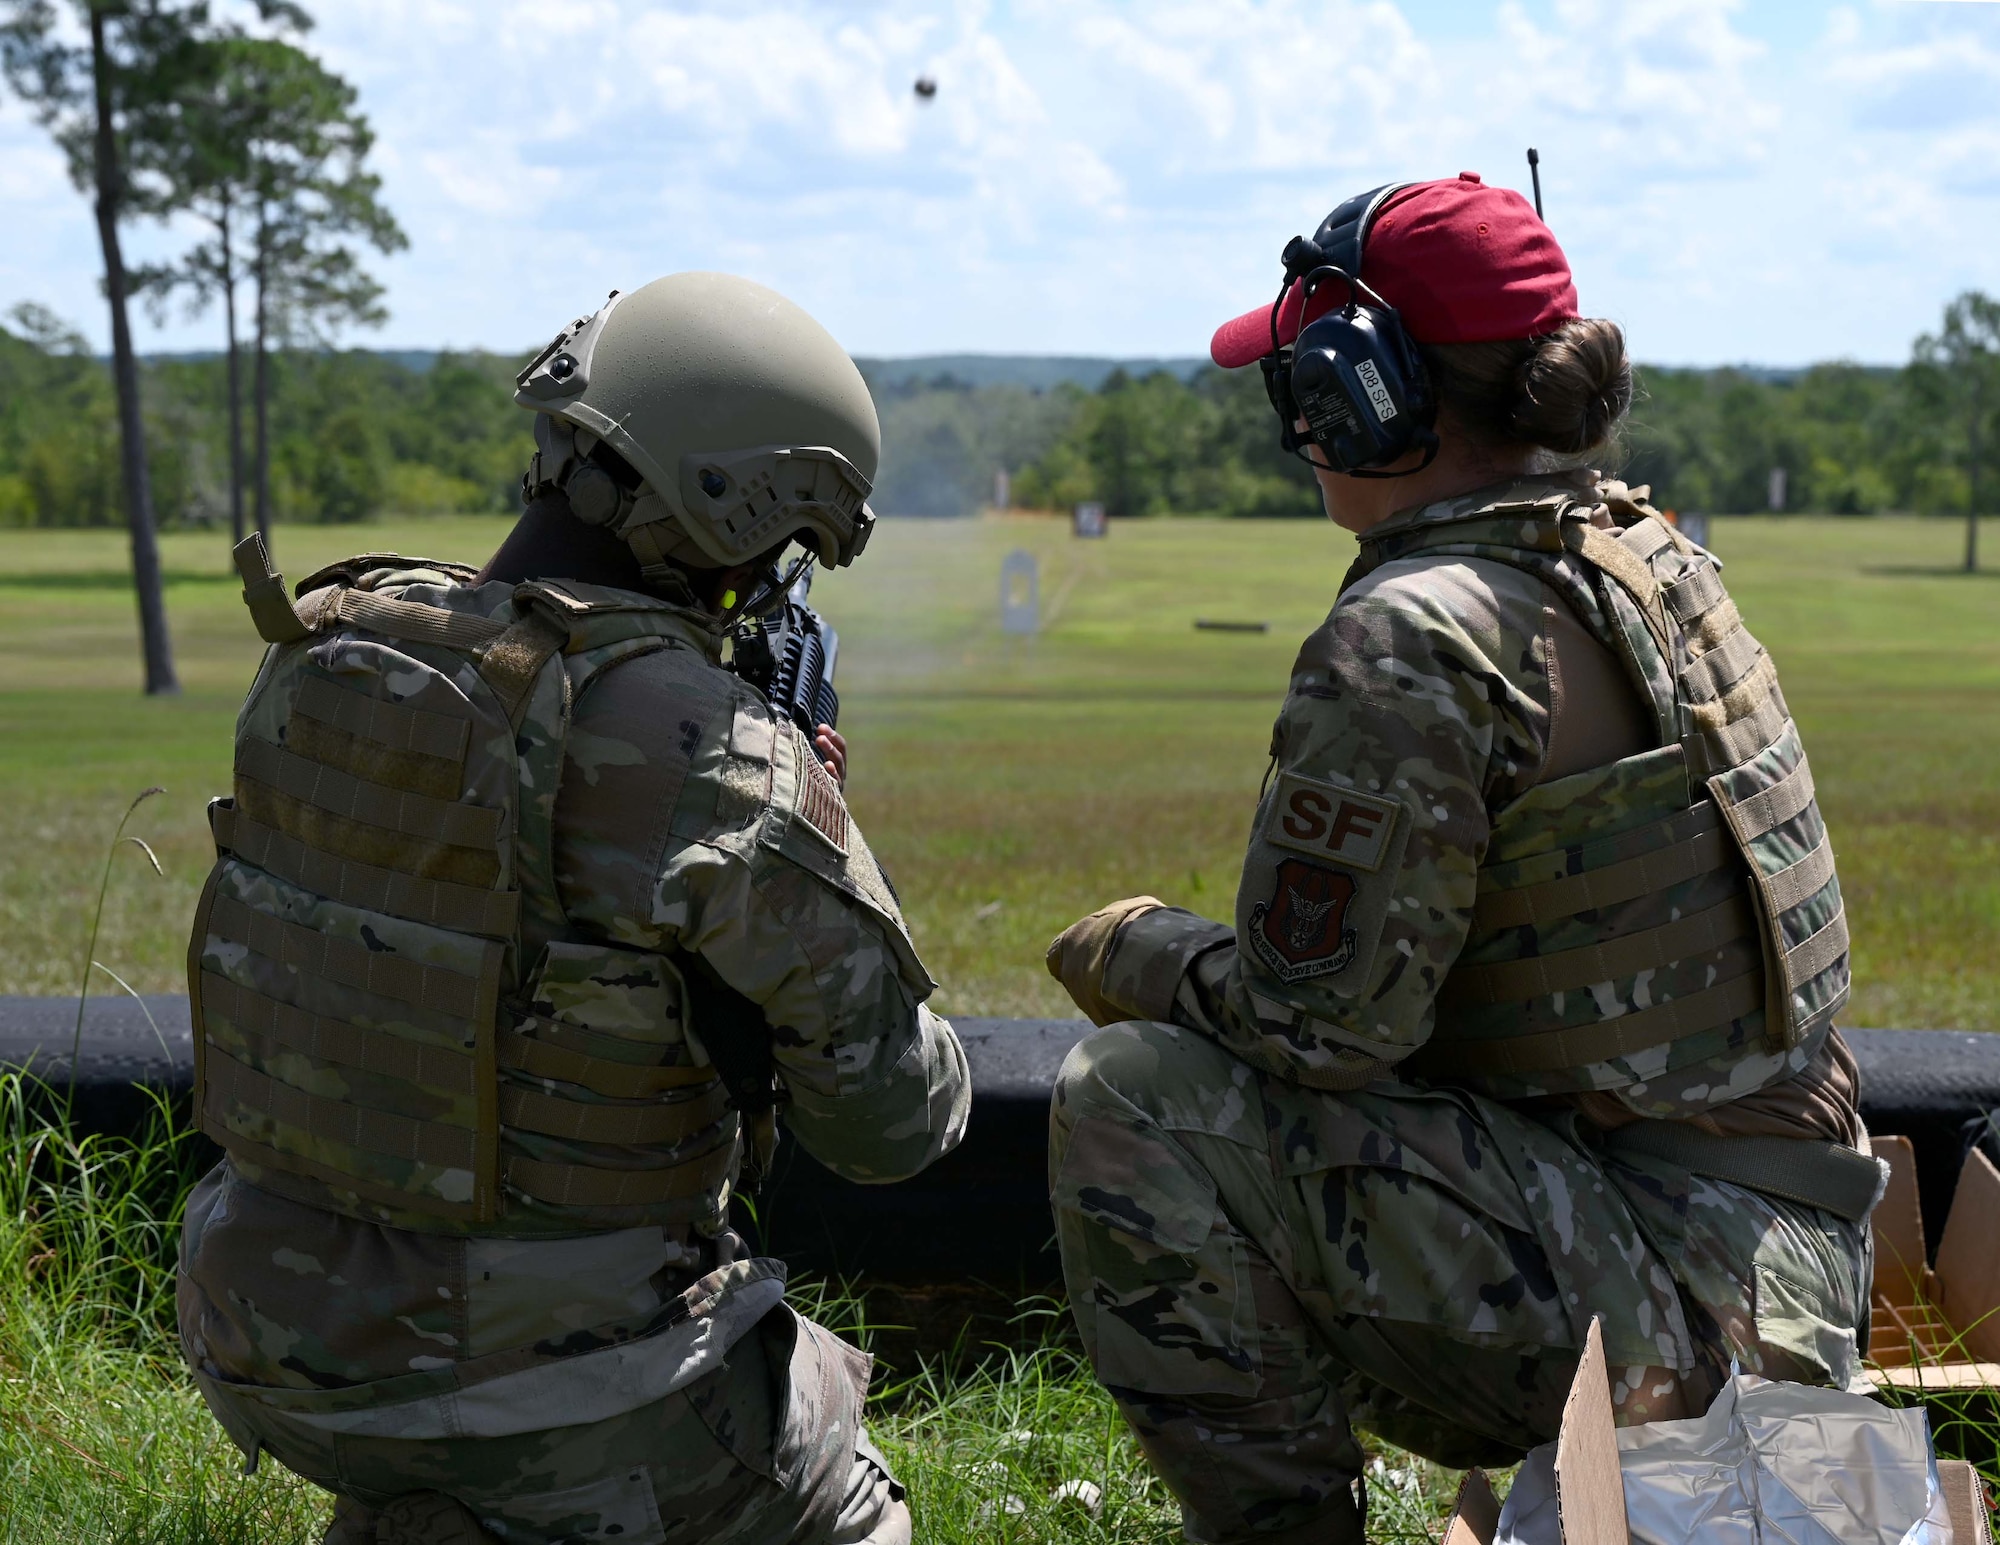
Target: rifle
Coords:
[(788, 654)]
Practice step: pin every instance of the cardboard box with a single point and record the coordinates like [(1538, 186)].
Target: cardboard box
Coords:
[(1965, 1495), (1936, 1328), (1590, 1490)]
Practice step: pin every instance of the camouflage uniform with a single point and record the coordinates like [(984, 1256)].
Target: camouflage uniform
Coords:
[(581, 1371), (1271, 1233)]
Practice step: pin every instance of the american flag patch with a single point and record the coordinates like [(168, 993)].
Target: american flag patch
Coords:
[(819, 798)]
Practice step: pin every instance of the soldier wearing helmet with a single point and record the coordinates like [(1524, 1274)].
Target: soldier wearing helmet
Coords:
[(526, 917), (1525, 1016)]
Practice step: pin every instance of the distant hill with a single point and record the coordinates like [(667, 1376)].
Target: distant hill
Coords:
[(1036, 372), (416, 361), (1033, 372)]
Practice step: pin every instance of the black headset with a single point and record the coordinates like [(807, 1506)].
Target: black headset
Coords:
[(1354, 375)]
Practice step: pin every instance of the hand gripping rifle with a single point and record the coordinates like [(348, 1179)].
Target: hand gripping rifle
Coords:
[(788, 654)]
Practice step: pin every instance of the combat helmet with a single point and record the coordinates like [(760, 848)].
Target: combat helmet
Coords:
[(745, 424)]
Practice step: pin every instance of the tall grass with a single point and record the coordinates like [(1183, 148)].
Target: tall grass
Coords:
[(102, 1436)]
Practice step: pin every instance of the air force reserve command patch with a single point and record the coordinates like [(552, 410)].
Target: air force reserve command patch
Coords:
[(1302, 930), (1310, 922)]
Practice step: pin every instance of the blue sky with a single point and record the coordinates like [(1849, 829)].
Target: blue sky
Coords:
[(1767, 182)]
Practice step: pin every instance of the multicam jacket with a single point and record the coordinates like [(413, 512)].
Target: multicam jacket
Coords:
[(476, 834), (1665, 930)]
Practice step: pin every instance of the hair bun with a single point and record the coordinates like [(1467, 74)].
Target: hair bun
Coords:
[(1573, 387), (1564, 391)]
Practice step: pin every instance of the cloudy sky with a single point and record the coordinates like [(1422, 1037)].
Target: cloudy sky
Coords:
[(1772, 182)]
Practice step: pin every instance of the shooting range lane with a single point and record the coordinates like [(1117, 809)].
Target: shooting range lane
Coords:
[(981, 1213)]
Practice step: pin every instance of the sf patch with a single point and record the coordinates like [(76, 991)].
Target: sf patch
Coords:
[(1302, 931), (1329, 821)]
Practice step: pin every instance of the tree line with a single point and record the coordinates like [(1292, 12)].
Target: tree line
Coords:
[(352, 434), (212, 112), (1847, 439), (349, 434), (165, 109)]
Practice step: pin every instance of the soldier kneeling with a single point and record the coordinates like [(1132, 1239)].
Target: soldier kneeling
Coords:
[(1527, 1013), (526, 914)]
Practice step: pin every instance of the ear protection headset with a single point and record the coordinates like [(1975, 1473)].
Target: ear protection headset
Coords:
[(1354, 375)]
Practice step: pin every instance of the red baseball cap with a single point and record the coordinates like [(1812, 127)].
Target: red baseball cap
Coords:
[(1462, 262)]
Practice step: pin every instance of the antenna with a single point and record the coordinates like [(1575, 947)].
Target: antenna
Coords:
[(1535, 171)]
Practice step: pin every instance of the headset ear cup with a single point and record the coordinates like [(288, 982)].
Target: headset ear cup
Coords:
[(593, 495)]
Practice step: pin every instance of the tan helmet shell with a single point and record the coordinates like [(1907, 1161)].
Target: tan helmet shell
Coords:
[(745, 418)]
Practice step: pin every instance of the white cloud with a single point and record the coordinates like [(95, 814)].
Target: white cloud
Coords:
[(1096, 176)]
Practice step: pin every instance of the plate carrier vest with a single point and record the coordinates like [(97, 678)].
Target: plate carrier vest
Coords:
[(1672, 907), (382, 887)]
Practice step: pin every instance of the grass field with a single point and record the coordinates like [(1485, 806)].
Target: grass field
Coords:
[(1011, 784)]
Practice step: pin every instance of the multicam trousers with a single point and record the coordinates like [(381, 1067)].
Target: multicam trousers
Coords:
[(327, 1344), (1256, 1268)]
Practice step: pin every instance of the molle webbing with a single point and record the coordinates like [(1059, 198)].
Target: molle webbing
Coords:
[(1805, 961), (394, 726), (559, 1052), (256, 1014), (340, 1178), (628, 1105), (689, 1181), (1700, 845), (1800, 897), (379, 741), (307, 782), (312, 953), (1647, 538), (461, 908), (1797, 882), (1700, 592), (651, 1123), (1716, 673), (353, 960), (1623, 956), (361, 1127), (1575, 1046), (1621, 911), (1771, 807), (1744, 720)]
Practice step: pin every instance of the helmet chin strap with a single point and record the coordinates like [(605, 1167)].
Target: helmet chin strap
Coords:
[(773, 586), (667, 554)]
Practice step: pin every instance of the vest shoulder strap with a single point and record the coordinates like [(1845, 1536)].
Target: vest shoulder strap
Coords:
[(271, 609)]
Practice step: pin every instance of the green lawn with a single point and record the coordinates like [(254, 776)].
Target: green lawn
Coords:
[(1011, 784)]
